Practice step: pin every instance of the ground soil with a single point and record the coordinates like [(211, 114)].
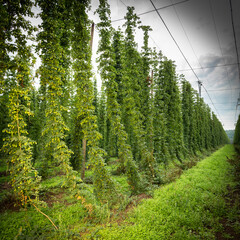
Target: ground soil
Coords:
[(7, 203), (233, 202)]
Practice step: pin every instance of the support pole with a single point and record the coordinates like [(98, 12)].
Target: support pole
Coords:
[(199, 87), (84, 141)]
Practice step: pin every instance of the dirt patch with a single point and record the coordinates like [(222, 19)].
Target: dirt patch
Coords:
[(228, 232), (8, 203), (50, 198), (119, 217), (231, 224), (173, 174), (4, 174), (5, 186), (142, 196)]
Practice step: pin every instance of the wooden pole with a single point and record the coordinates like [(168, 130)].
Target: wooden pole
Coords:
[(92, 32), (152, 84), (151, 101), (84, 149), (84, 141)]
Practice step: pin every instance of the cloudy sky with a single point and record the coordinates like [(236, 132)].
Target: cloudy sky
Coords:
[(203, 30)]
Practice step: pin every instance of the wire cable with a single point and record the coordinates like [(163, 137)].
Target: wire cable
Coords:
[(224, 103), (235, 41), (234, 35), (223, 65), (174, 39), (215, 27), (218, 90), (238, 104), (184, 55), (140, 14), (154, 42), (212, 102), (123, 3), (143, 14), (179, 19)]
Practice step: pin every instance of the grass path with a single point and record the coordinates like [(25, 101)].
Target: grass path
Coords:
[(189, 208)]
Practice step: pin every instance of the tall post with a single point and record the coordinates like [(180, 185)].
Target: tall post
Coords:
[(92, 32), (199, 86), (151, 109), (84, 148), (84, 141), (152, 83)]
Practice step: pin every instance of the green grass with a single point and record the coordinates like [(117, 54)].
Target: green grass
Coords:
[(51, 183), (65, 212), (189, 208), (68, 214), (173, 169), (31, 224), (122, 184)]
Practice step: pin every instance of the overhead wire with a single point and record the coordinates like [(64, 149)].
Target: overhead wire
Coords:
[(211, 101), (146, 13), (235, 42), (222, 65), (191, 68), (154, 42), (224, 102), (226, 109), (179, 19), (215, 27), (185, 33), (140, 14), (174, 39), (123, 3), (235, 39), (216, 90), (189, 42), (183, 54)]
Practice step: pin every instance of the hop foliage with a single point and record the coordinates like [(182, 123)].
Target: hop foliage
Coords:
[(108, 74), (236, 139), (53, 76), (142, 118), (16, 62), (86, 118), (24, 178)]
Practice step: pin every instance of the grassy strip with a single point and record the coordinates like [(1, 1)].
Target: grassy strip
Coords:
[(231, 221), (189, 208), (32, 225), (70, 216)]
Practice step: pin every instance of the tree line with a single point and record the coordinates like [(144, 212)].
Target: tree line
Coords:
[(144, 115)]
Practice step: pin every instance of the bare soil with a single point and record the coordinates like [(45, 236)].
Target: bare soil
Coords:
[(233, 202)]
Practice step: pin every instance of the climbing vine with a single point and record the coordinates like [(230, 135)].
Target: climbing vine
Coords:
[(53, 75), (107, 71), (132, 82), (86, 119), (172, 108), (142, 116), (161, 151), (16, 70)]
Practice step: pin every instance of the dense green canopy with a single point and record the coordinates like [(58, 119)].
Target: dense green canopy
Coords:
[(145, 114)]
